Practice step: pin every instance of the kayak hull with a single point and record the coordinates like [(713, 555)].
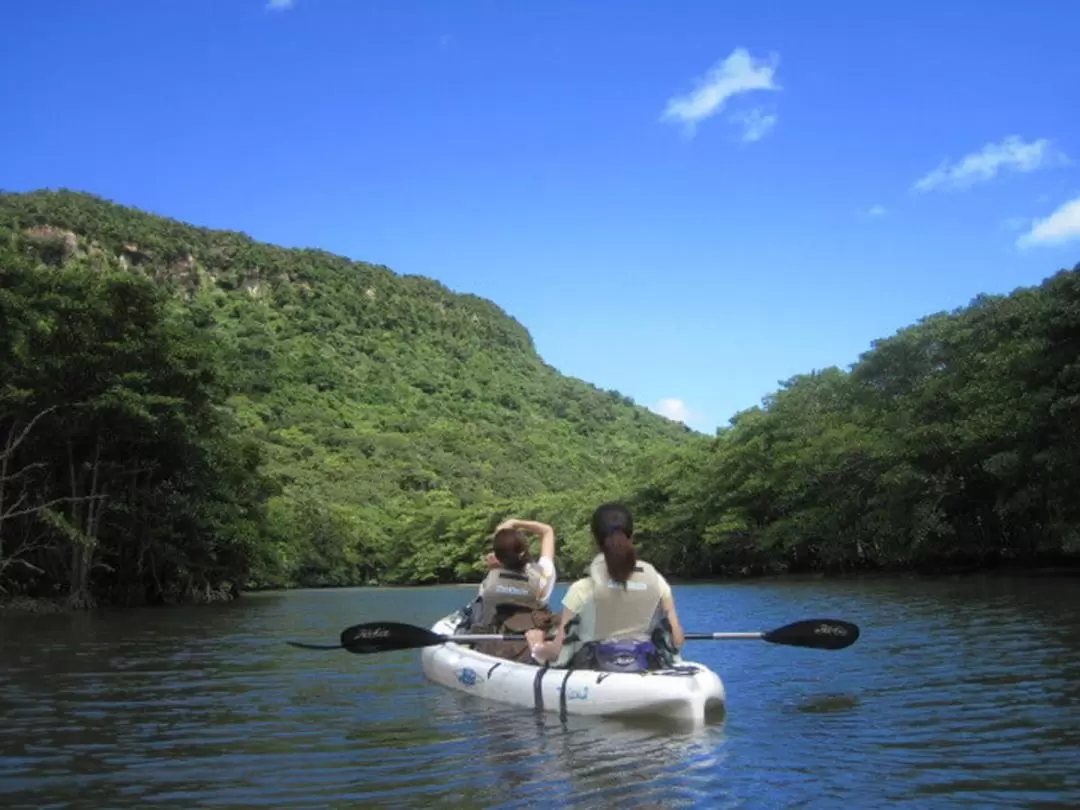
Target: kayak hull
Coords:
[(688, 693)]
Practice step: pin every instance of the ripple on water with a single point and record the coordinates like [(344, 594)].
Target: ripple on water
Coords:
[(956, 695)]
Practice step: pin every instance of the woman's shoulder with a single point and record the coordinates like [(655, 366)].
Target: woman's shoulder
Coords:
[(581, 584), (648, 567)]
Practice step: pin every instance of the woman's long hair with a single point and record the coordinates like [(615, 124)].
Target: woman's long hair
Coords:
[(613, 529)]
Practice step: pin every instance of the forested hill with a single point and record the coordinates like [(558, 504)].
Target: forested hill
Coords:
[(185, 412), (391, 420)]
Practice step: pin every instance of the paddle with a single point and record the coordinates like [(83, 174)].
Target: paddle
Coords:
[(818, 634), (376, 637), (385, 636)]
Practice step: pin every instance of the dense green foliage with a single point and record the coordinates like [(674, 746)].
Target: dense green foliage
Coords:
[(394, 421), (118, 476), (184, 411), (953, 443)]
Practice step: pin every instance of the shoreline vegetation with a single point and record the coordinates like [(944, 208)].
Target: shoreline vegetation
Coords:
[(187, 414), (1068, 568)]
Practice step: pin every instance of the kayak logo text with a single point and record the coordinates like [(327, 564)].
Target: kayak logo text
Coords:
[(577, 694), (468, 676)]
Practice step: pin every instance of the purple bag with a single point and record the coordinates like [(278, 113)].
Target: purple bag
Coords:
[(625, 656)]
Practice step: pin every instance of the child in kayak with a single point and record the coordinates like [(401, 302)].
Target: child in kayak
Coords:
[(514, 596), (619, 618)]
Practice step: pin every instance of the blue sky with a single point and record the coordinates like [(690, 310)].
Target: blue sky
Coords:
[(684, 201)]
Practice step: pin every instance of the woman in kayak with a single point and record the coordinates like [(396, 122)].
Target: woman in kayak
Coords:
[(614, 619), (514, 596)]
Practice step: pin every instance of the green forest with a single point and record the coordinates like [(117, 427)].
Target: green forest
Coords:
[(187, 413)]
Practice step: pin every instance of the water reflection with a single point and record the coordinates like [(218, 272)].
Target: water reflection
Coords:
[(525, 757), (959, 693)]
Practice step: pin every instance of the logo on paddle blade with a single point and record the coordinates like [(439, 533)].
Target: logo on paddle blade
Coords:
[(371, 632), (829, 630)]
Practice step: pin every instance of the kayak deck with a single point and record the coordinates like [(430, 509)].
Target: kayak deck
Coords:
[(689, 692)]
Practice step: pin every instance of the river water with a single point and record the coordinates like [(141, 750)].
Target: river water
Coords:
[(960, 693)]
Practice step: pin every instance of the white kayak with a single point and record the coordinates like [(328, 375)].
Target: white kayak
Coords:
[(688, 692)]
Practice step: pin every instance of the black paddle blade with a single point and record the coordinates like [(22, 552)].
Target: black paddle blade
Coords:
[(821, 634), (379, 637)]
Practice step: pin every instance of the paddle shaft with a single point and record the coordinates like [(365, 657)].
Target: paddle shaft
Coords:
[(688, 636), (817, 633), (375, 637)]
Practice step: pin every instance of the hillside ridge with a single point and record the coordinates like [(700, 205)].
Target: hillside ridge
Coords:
[(379, 400)]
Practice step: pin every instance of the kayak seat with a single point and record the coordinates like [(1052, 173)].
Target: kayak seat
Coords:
[(513, 620)]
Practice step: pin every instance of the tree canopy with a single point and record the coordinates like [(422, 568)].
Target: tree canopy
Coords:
[(386, 423), (951, 443), (186, 412)]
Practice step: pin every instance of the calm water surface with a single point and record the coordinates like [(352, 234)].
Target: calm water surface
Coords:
[(961, 693)]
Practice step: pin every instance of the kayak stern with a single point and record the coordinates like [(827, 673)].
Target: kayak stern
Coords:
[(687, 693)]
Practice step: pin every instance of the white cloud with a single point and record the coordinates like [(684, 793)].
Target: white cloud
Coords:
[(876, 211), (738, 73), (1012, 154), (280, 5), (674, 409), (1061, 226), (756, 124)]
